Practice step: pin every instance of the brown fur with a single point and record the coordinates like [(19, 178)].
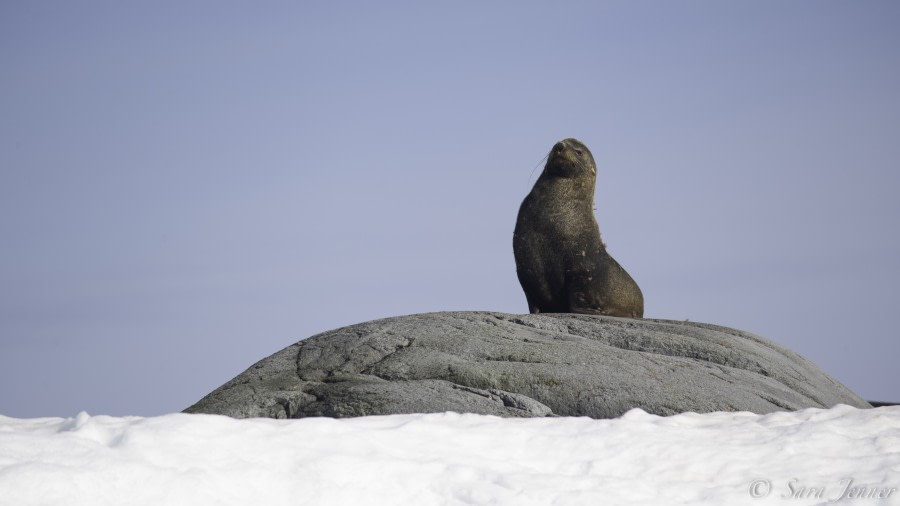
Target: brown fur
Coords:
[(561, 262)]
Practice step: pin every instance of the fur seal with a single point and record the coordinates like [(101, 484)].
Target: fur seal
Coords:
[(561, 262)]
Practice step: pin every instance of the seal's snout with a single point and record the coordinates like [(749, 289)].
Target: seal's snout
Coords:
[(559, 147)]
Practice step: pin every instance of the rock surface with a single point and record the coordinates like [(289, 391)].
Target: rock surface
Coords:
[(526, 365)]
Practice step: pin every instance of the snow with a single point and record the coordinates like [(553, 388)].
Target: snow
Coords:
[(804, 457)]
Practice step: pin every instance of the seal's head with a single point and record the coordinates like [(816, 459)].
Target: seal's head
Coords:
[(570, 158)]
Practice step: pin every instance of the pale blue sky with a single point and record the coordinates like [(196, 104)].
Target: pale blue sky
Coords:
[(188, 187)]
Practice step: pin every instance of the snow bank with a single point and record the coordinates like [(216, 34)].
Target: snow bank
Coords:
[(805, 457)]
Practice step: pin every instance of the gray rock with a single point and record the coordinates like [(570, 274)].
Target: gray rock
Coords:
[(525, 366)]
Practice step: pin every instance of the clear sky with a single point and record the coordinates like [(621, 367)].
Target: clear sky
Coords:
[(188, 187)]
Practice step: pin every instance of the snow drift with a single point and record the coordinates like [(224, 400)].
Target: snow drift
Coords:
[(814, 456)]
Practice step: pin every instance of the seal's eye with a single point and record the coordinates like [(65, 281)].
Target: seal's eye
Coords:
[(579, 152)]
